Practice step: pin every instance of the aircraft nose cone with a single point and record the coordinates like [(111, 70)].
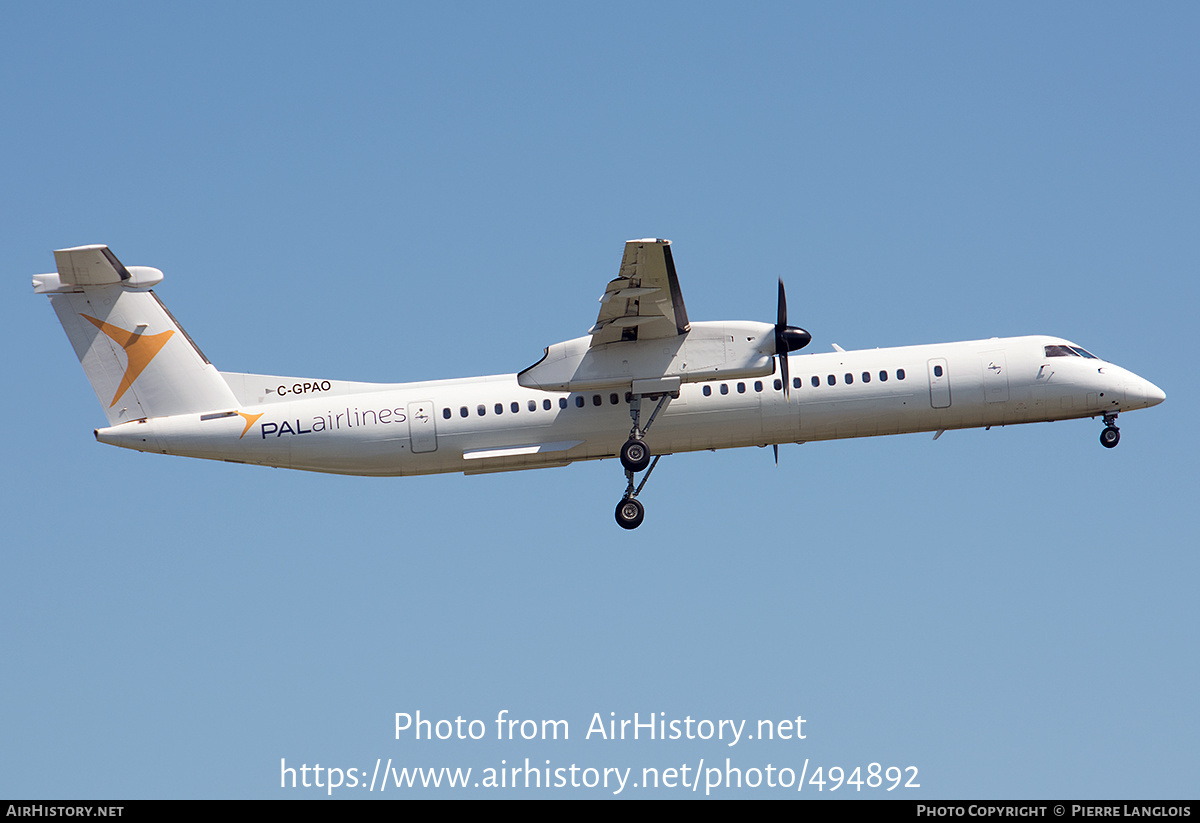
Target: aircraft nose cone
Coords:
[(1154, 395), (1144, 393)]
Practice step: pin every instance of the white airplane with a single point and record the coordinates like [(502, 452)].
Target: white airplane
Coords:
[(710, 385)]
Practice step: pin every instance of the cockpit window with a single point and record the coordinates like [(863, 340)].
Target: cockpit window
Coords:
[(1069, 351)]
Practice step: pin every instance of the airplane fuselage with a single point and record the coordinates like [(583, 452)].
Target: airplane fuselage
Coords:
[(646, 381), (488, 424)]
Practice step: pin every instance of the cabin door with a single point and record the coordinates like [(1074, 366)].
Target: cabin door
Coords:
[(422, 431), (995, 377), (939, 383)]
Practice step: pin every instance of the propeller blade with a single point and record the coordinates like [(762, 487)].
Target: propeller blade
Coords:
[(787, 339)]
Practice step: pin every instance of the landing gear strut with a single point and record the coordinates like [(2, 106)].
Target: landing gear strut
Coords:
[(1111, 435), (630, 510), (635, 457)]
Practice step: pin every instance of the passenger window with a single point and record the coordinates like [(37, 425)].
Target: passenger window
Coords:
[(883, 377), (597, 400), (562, 402), (796, 382), (724, 389), (849, 378), (462, 412), (707, 390), (866, 377), (533, 405), (516, 407), (899, 374), (481, 410), (579, 401), (741, 388), (758, 385), (937, 371), (816, 381), (546, 404), (612, 398), (831, 380), (499, 408), (445, 414)]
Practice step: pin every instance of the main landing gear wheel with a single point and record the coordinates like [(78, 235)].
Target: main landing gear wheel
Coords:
[(630, 513), (1110, 437), (635, 456)]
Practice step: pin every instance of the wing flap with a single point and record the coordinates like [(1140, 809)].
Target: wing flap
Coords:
[(644, 301)]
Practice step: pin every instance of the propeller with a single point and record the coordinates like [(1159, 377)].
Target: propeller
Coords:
[(787, 339)]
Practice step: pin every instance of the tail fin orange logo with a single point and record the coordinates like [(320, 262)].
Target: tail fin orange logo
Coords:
[(140, 349)]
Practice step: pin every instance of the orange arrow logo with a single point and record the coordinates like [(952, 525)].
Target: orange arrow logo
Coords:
[(140, 349), (250, 419)]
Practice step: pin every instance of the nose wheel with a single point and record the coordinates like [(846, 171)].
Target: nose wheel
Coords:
[(1111, 435)]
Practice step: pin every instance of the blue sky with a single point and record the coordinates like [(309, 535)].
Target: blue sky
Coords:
[(401, 192)]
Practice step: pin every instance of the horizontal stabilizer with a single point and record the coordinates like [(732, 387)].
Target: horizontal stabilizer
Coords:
[(93, 266), (90, 266)]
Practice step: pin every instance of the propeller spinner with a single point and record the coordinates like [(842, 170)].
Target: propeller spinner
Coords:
[(787, 339)]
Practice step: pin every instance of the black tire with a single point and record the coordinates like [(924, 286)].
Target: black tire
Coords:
[(630, 513), (635, 455), (1110, 437)]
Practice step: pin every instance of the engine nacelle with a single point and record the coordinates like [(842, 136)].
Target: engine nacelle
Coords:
[(709, 351)]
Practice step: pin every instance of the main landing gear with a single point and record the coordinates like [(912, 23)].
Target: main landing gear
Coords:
[(635, 457), (1111, 435)]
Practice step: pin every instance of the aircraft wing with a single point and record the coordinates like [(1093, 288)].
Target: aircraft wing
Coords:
[(643, 301)]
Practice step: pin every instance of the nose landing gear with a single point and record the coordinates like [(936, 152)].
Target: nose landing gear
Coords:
[(1111, 435)]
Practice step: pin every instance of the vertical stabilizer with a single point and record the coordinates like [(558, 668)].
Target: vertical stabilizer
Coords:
[(140, 362)]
